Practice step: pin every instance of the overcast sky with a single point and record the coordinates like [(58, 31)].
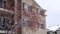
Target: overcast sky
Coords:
[(53, 11)]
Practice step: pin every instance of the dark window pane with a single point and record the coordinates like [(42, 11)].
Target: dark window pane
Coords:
[(48, 32), (3, 21), (1, 28), (4, 2), (1, 3), (0, 19), (26, 24), (41, 26), (19, 1)]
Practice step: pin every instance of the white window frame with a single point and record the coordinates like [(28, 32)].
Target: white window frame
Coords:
[(39, 11), (26, 7)]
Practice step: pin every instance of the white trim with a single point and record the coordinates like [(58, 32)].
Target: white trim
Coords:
[(6, 10), (2, 31)]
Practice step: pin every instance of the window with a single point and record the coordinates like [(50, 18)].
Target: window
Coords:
[(2, 23), (4, 2), (1, 20), (48, 32), (41, 26), (19, 1), (1, 3), (26, 23), (26, 7), (38, 11)]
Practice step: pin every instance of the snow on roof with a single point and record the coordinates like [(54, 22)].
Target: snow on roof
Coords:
[(54, 28)]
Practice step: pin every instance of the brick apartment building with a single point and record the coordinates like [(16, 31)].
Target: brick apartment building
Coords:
[(22, 17)]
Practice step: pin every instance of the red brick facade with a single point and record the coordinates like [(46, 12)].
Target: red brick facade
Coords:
[(20, 14)]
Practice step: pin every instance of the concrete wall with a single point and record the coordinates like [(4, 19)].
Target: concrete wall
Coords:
[(26, 30)]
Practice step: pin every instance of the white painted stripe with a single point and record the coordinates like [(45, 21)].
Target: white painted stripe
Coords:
[(2, 31)]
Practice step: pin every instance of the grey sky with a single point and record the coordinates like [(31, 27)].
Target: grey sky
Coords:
[(53, 11)]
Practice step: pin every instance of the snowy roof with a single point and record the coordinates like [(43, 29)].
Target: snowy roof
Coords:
[(54, 28)]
